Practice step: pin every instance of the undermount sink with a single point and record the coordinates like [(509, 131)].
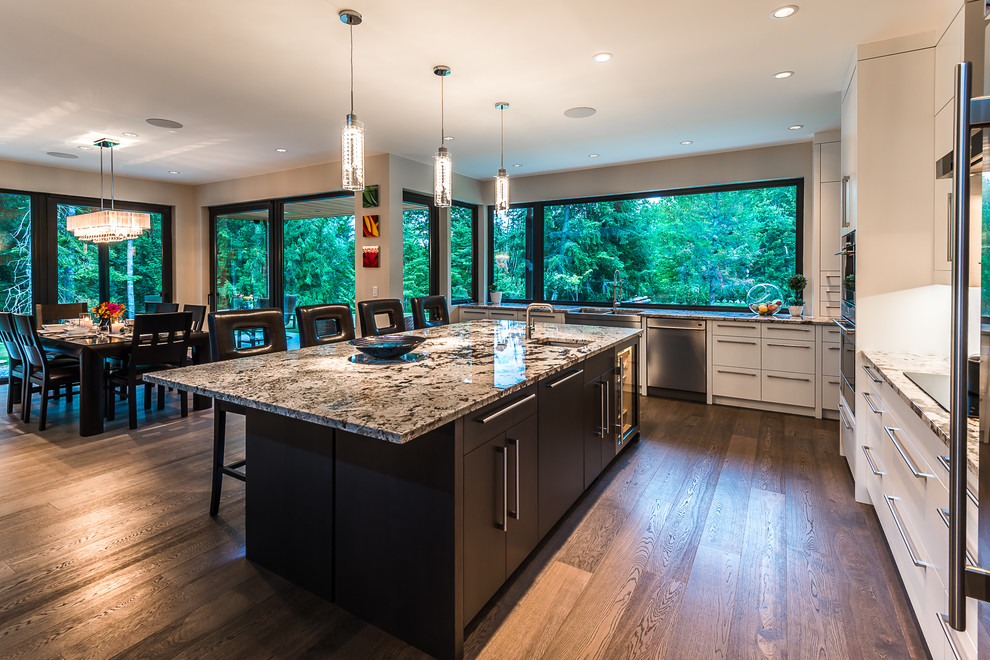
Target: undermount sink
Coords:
[(622, 318), (561, 341)]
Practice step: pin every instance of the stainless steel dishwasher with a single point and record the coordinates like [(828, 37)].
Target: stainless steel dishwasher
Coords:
[(676, 360)]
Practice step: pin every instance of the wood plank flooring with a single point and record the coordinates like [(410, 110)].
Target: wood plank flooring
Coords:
[(723, 533)]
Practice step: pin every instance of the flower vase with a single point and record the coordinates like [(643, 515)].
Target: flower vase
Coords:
[(104, 324), (496, 297)]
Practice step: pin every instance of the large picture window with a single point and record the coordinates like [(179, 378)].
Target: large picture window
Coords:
[(511, 261), (703, 247), (15, 252), (463, 267)]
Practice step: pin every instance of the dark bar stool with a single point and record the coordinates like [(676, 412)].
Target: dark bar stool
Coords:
[(369, 309), (429, 312), (224, 327), (39, 372), (324, 324), (159, 341)]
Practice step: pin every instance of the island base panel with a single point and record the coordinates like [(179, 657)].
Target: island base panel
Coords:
[(399, 536), (289, 499)]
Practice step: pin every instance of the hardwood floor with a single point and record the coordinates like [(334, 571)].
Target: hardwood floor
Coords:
[(722, 533)]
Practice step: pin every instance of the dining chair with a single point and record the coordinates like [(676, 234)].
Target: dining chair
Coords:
[(40, 374), (288, 309), (160, 307), (324, 324), (369, 310), (429, 312), (55, 312), (224, 330), (15, 360), (158, 341), (198, 316)]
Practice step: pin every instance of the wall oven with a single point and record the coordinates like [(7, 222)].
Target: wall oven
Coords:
[(847, 323)]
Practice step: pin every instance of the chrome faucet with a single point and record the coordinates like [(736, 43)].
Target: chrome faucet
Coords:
[(529, 319), (616, 291)]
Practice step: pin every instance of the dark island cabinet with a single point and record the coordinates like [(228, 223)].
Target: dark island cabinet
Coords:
[(500, 499), (561, 427), (599, 402)]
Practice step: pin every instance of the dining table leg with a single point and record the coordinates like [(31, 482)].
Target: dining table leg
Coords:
[(91, 395)]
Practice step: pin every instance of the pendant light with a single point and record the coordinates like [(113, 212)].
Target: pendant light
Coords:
[(443, 175), (501, 179), (352, 136), (108, 225)]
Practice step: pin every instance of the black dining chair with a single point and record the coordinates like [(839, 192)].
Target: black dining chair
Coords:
[(324, 324), (15, 360), (160, 307), (40, 374), (198, 316), (429, 312), (224, 330), (158, 341), (369, 310)]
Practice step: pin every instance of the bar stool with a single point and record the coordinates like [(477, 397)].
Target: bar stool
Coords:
[(369, 309), (429, 312), (324, 324), (224, 327)]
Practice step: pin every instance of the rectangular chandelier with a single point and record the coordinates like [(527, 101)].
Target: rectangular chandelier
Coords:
[(108, 225)]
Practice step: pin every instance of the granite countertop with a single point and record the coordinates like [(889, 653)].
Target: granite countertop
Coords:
[(468, 366), (891, 367), (672, 313)]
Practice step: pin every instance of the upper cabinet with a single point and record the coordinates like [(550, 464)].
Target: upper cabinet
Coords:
[(847, 161)]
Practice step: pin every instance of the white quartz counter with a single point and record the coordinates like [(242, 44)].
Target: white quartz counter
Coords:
[(468, 366)]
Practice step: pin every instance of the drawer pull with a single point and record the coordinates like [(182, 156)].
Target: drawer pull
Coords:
[(832, 382), (748, 326), (735, 341), (786, 329), (869, 402), (944, 460), (873, 376), (900, 450), (833, 348), (869, 459), (944, 515), (788, 345), (565, 378), (946, 630), (499, 413), (843, 413), (903, 532), (807, 380), (737, 373)]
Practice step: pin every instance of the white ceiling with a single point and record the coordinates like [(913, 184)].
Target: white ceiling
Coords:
[(247, 76)]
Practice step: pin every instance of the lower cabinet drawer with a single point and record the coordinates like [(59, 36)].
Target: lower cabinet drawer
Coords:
[(736, 352), (473, 314), (830, 359), (830, 393), (789, 388), (902, 537), (503, 314), (736, 382), (783, 355)]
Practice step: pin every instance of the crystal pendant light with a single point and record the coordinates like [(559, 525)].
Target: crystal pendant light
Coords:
[(352, 135), (108, 225), (501, 179), (443, 174)]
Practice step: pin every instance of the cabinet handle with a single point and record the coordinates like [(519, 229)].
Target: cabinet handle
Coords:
[(770, 343), (565, 378), (869, 459), (844, 201), (842, 414), (735, 341), (833, 348), (873, 376), (904, 536), (499, 413), (948, 227), (504, 524), (514, 443), (602, 409), (737, 373), (900, 450), (869, 402), (748, 326), (832, 382), (949, 637), (786, 329), (944, 460), (807, 380), (944, 515)]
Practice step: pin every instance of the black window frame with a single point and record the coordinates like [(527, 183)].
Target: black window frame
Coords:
[(535, 235), (433, 256), (475, 244)]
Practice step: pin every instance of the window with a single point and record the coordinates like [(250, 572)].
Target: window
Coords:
[(419, 260), (463, 268), (241, 248), (703, 247), (15, 252), (511, 263), (318, 253)]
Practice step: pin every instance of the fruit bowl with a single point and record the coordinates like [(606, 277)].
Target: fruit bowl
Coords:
[(386, 347), (764, 300)]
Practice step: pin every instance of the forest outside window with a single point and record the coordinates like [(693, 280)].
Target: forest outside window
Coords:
[(511, 261), (463, 269)]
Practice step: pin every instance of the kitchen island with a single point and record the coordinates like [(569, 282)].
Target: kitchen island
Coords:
[(408, 492)]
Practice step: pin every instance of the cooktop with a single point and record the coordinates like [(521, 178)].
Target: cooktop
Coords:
[(937, 387)]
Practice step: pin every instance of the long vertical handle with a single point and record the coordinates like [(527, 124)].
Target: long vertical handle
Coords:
[(602, 409), (844, 201), (950, 212), (960, 324), (514, 443), (504, 523)]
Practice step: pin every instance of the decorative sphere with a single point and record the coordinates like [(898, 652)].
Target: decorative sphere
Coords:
[(764, 299)]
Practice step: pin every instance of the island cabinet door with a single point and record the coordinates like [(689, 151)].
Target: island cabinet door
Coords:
[(486, 493), (561, 429), (523, 532)]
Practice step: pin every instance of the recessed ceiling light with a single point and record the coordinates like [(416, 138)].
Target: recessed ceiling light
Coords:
[(280, 150), (84, 147), (174, 172), (592, 155), (60, 154), (602, 57), (796, 127), (129, 134), (687, 142), (163, 123), (780, 75), (517, 164), (579, 112), (784, 12), (448, 138)]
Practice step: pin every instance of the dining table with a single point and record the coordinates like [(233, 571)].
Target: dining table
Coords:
[(93, 352)]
